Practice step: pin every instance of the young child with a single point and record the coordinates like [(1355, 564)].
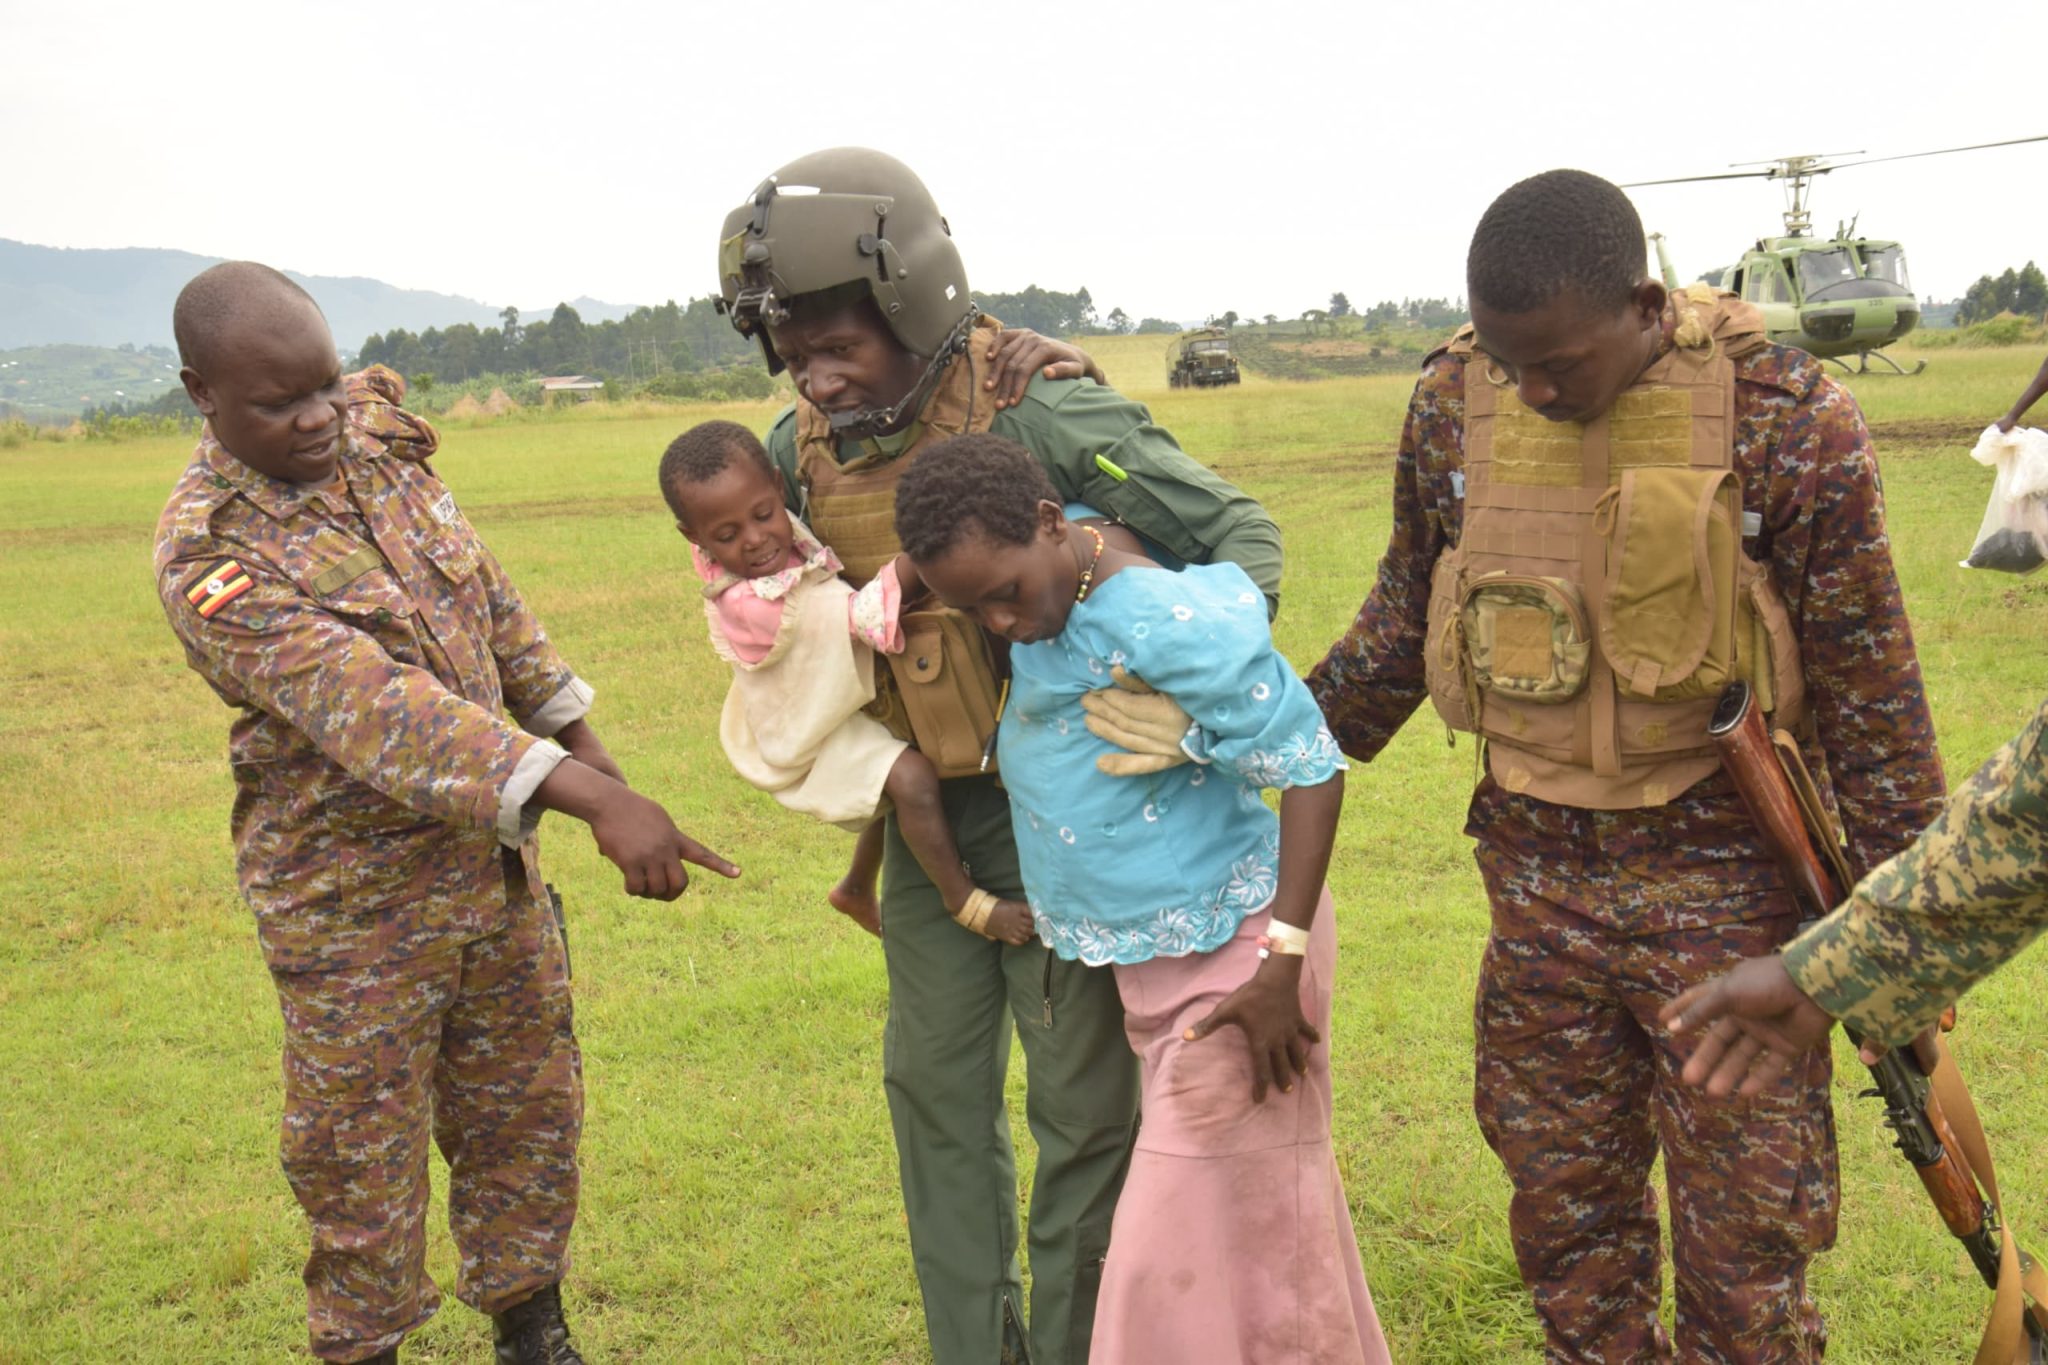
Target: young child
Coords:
[(801, 643), (1232, 1240)]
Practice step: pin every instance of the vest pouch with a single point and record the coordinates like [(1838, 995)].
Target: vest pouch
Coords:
[(945, 677), (1774, 666), (1526, 638), (1445, 666), (1668, 612)]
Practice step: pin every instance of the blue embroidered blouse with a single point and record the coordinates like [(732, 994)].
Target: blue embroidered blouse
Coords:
[(1128, 869)]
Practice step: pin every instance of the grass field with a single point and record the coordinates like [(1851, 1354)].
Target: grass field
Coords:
[(740, 1183)]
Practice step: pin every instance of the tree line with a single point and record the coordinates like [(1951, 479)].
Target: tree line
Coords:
[(2023, 291), (1386, 315), (656, 348), (668, 339), (673, 339), (1067, 315)]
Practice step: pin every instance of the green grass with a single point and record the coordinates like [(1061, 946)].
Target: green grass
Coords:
[(740, 1184)]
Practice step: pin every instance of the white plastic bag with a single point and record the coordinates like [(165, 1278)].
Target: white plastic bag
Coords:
[(2014, 536)]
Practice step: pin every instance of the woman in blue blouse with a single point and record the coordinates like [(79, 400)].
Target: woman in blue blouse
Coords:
[(1232, 1240)]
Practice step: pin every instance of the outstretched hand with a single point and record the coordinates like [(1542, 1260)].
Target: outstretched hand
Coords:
[(1132, 716), (1267, 1010), (1018, 353), (640, 839), (1753, 1023)]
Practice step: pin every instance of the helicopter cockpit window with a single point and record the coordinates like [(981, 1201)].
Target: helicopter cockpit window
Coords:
[(1887, 263), (1819, 269), (1766, 284)]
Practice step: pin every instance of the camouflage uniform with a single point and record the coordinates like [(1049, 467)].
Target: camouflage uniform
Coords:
[(1966, 897), (1599, 915), (371, 646)]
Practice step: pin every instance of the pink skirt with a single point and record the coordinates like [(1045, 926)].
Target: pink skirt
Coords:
[(1232, 1243)]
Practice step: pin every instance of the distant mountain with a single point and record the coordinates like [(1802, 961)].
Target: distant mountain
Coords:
[(96, 297)]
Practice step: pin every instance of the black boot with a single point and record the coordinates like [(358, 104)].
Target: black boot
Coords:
[(533, 1333)]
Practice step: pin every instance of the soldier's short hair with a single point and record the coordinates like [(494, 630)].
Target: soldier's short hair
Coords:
[(977, 479), (221, 295), (700, 454), (1552, 232)]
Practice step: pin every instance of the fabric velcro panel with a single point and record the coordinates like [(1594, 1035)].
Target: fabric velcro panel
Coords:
[(1521, 644), (1531, 450), (1649, 427)]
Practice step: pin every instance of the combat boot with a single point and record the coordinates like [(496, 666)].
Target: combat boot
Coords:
[(533, 1333)]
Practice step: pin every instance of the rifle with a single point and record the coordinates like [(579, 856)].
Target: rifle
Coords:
[(1785, 807)]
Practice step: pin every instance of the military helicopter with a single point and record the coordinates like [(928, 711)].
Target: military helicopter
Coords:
[(1835, 297)]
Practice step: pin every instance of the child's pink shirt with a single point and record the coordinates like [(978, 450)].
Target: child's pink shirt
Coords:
[(750, 609)]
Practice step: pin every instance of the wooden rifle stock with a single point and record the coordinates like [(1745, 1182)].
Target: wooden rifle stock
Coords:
[(1912, 1109)]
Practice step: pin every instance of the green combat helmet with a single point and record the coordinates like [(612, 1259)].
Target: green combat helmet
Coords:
[(842, 218)]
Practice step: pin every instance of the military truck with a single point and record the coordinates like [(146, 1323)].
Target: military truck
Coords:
[(1201, 359)]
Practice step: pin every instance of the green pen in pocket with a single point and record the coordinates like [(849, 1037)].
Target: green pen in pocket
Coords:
[(1109, 467)]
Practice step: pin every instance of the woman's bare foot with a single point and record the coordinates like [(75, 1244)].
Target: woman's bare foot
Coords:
[(856, 900), (1011, 922)]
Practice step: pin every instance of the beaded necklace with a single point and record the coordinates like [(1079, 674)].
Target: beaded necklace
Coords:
[(1088, 574)]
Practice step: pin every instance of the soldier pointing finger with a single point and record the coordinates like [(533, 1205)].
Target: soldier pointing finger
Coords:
[(324, 582)]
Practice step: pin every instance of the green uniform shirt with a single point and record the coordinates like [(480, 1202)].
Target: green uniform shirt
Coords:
[(1164, 495), (1954, 905)]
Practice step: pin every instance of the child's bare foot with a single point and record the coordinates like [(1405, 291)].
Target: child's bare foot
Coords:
[(1011, 922), (856, 900)]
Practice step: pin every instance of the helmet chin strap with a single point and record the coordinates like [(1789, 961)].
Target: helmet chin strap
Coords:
[(866, 423)]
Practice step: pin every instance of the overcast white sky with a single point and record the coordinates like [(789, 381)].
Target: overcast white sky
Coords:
[(1177, 159)]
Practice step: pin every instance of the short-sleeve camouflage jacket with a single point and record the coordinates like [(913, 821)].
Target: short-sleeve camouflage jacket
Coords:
[(1807, 469), (371, 645), (1964, 898)]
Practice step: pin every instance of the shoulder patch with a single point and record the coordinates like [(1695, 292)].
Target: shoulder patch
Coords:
[(218, 586)]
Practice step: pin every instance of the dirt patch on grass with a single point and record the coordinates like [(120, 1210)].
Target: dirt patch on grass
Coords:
[(1925, 432)]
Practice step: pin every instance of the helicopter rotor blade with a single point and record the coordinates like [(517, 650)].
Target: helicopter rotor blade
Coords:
[(1814, 160), (1944, 151), (1688, 179)]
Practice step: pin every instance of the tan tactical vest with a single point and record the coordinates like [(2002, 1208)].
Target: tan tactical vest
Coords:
[(940, 692), (1598, 601)]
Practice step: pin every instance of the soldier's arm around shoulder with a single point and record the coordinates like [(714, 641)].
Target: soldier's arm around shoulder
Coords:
[(1104, 449), (326, 667)]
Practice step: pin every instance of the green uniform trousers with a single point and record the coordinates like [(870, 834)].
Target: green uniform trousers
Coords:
[(952, 997)]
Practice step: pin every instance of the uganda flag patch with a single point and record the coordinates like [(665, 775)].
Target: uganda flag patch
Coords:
[(217, 587)]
